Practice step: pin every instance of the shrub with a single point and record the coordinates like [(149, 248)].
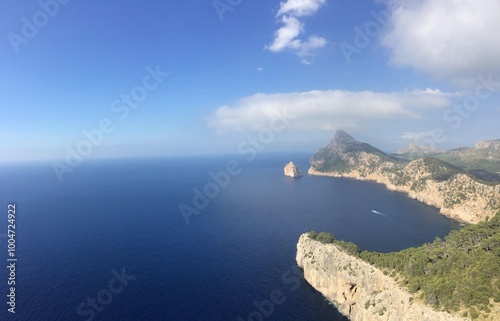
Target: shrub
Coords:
[(325, 237), (462, 270), (312, 234)]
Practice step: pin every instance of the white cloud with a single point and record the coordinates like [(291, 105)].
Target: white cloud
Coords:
[(326, 110), (418, 136), (286, 37), (300, 8), (451, 39), (428, 138)]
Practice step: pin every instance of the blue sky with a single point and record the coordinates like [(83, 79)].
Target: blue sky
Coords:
[(389, 72)]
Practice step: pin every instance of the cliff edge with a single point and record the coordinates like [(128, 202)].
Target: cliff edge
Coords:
[(359, 290)]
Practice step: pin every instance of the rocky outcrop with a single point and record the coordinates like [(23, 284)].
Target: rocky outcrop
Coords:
[(292, 170), (491, 147), (456, 193), (359, 290)]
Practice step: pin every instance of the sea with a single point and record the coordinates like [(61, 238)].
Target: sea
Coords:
[(186, 238)]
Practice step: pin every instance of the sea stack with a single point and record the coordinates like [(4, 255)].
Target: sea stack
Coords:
[(292, 170)]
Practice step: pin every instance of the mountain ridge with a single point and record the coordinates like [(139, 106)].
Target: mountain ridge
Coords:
[(484, 155), (457, 193)]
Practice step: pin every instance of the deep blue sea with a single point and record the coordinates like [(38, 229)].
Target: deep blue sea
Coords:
[(112, 218)]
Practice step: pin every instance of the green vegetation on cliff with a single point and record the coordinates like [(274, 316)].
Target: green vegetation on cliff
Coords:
[(439, 170), (461, 271), (334, 164), (442, 171), (323, 237)]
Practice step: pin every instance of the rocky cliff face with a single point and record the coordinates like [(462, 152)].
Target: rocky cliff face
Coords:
[(359, 290), (292, 170), (455, 192)]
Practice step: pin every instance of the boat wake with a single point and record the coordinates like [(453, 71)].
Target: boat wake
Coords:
[(378, 213)]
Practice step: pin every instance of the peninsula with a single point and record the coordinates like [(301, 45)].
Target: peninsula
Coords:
[(459, 194)]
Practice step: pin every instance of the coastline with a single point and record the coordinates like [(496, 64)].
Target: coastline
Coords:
[(468, 212)]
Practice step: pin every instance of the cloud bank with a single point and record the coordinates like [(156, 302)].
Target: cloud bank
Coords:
[(449, 39), (287, 37), (326, 110)]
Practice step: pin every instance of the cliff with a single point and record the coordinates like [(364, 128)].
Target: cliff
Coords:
[(457, 193), (292, 170), (359, 290)]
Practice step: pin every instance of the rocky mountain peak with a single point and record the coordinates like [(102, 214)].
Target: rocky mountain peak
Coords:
[(488, 144), (343, 142), (341, 135)]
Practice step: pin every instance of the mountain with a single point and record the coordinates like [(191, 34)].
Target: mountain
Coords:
[(484, 155), (414, 151), (457, 193), (344, 154)]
